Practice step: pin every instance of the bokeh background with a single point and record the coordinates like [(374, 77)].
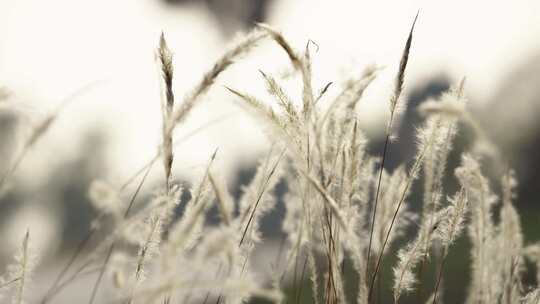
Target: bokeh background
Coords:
[(99, 55)]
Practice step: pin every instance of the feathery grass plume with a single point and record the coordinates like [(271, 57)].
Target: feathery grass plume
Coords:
[(243, 46), (443, 132), (225, 201), (334, 207), (510, 242), (356, 183), (411, 255), (19, 274), (300, 63), (255, 202), (449, 230), (5, 283), (400, 79), (148, 233), (353, 93), (284, 101), (54, 289), (237, 289), (147, 249), (105, 198), (38, 131), (424, 144), (444, 107), (532, 297), (356, 187), (257, 198), (221, 240), (408, 258), (328, 143), (123, 223), (307, 90), (295, 224), (451, 103), (184, 233), (314, 276), (335, 126), (395, 183), (164, 57), (345, 103), (435, 161), (485, 285), (216, 248), (106, 247), (532, 253), (295, 59), (328, 209), (449, 106), (356, 248), (277, 125)]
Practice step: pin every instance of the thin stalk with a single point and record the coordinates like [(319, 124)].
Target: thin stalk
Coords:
[(259, 197), (9, 283), (393, 105), (56, 288), (111, 249), (439, 278), (177, 142), (76, 254), (385, 151), (42, 128), (302, 281), (415, 168), (101, 273)]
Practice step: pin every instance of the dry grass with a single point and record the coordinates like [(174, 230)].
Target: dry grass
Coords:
[(343, 207)]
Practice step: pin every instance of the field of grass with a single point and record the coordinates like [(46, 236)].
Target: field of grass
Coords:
[(348, 234)]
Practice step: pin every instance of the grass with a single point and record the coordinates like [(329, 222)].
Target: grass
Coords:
[(347, 218)]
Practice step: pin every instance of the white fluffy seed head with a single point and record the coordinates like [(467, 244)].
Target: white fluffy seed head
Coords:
[(104, 197)]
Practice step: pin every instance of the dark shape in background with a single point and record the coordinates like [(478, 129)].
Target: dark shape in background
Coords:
[(232, 15)]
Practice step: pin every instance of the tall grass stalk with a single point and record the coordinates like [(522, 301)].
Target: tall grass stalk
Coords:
[(398, 88)]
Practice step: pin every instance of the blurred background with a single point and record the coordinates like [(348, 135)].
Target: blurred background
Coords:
[(99, 55)]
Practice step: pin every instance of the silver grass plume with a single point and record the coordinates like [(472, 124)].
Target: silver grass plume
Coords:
[(511, 242), (241, 47), (400, 78), (411, 255), (484, 285), (164, 57), (225, 201), (300, 63), (449, 229), (19, 273)]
